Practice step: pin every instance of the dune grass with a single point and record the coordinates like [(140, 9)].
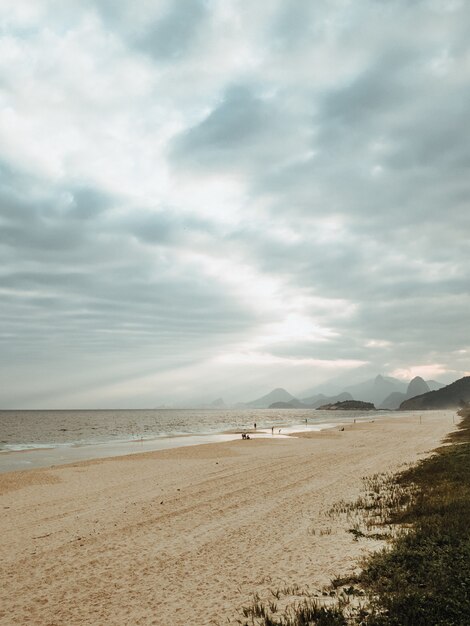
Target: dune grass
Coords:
[(422, 578), (306, 613)]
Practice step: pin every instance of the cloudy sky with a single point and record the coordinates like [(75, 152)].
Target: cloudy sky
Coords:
[(203, 198)]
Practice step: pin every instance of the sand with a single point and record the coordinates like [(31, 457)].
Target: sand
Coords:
[(186, 536)]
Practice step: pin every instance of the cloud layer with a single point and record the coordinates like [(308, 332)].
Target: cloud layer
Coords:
[(205, 198)]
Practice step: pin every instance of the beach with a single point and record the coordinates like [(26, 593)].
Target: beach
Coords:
[(188, 535)]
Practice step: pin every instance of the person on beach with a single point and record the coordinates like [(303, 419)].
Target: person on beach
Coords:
[(254, 425), (272, 430)]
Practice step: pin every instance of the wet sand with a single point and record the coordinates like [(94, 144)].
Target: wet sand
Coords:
[(186, 536)]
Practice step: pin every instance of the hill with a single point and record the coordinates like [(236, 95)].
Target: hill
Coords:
[(218, 404), (448, 397), (416, 387), (292, 404), (315, 401), (348, 405), (276, 395), (376, 389), (434, 385), (311, 403)]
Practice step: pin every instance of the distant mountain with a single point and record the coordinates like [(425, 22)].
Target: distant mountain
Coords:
[(385, 392), (348, 405), (334, 387), (310, 403), (292, 404), (376, 389), (393, 401), (416, 387), (317, 400), (276, 395), (445, 398), (434, 385), (218, 404)]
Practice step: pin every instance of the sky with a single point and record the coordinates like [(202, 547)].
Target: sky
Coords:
[(212, 198)]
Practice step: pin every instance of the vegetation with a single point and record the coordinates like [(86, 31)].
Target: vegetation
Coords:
[(347, 405), (306, 613), (424, 580), (453, 395), (423, 577)]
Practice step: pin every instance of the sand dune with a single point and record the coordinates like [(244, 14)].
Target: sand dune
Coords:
[(186, 536)]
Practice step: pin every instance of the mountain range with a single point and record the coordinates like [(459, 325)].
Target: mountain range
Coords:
[(274, 396), (314, 402), (453, 395), (416, 387), (384, 392)]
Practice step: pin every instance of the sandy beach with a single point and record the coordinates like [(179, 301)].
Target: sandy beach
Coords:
[(187, 536)]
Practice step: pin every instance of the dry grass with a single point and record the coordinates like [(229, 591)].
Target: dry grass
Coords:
[(422, 577)]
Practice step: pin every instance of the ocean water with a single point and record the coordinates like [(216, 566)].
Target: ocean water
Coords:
[(22, 430), (41, 438)]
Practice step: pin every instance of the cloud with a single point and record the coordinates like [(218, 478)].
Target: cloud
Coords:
[(244, 132), (172, 35), (77, 287), (182, 184)]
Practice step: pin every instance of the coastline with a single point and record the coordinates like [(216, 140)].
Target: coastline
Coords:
[(30, 454), (51, 456), (187, 535), (34, 456)]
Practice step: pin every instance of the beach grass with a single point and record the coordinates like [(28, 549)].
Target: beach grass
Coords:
[(424, 579), (306, 613), (422, 576)]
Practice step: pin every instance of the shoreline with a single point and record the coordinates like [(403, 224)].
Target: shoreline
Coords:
[(188, 535), (19, 457), (47, 455)]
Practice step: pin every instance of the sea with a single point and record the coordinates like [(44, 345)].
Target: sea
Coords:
[(48, 437)]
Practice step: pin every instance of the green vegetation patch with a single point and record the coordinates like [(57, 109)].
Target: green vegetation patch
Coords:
[(423, 577), (424, 580), (307, 613)]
